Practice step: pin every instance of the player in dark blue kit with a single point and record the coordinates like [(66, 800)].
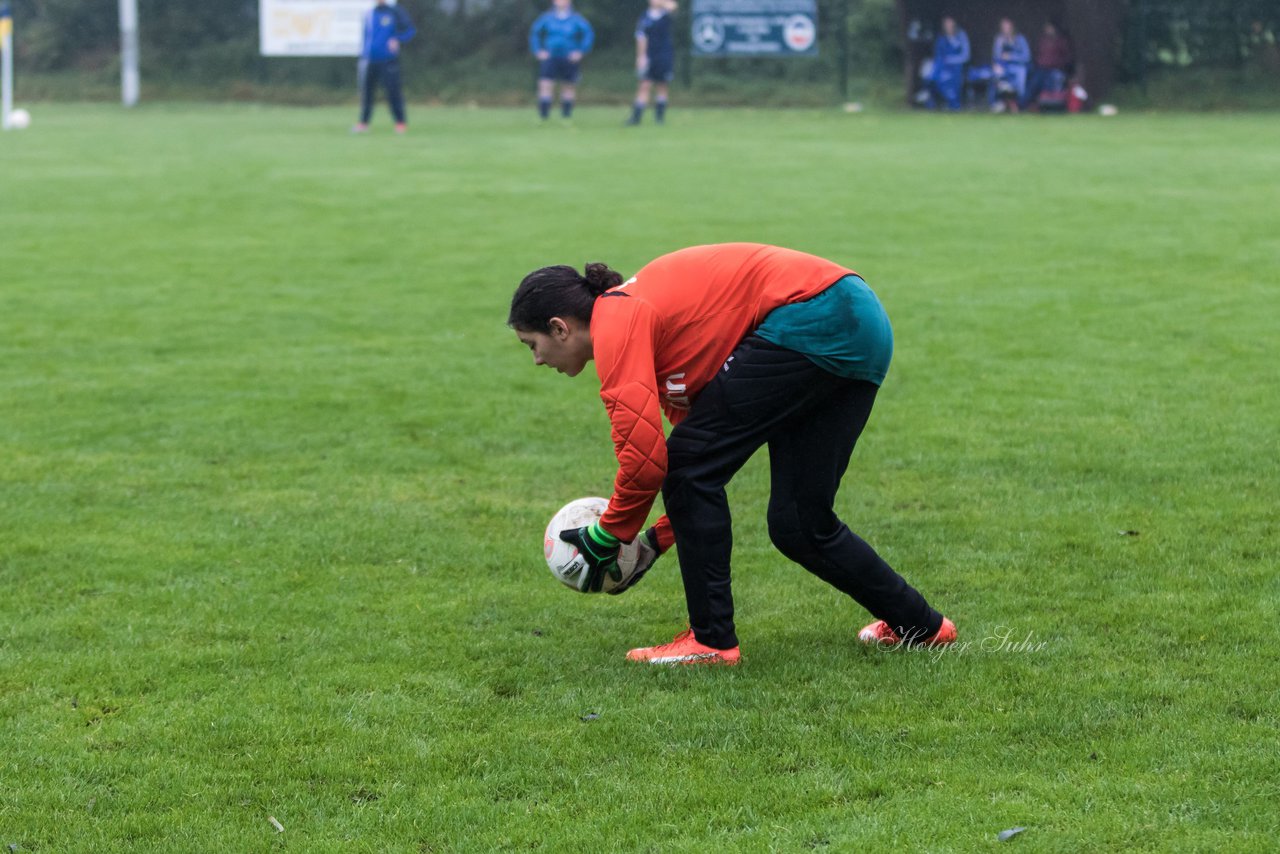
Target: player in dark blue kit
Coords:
[(950, 56), (655, 59), (386, 28), (558, 39)]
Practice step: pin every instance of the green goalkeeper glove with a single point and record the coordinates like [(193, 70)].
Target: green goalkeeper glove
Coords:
[(599, 549)]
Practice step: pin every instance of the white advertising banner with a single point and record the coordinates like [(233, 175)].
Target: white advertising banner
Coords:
[(311, 27)]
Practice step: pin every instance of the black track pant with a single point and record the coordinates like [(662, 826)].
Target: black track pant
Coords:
[(810, 419), (388, 72)]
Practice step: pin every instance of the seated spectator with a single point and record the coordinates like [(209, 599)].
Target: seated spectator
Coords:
[(950, 56), (1053, 65), (1261, 48), (1010, 56)]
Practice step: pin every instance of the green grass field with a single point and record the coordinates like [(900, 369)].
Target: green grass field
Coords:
[(273, 477)]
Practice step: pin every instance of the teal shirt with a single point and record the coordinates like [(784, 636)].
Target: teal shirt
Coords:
[(843, 330)]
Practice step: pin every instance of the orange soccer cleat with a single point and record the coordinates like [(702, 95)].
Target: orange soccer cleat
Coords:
[(880, 633), (685, 649)]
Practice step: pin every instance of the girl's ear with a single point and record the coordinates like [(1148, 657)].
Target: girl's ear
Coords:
[(558, 328)]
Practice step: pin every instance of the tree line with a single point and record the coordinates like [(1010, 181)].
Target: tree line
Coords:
[(212, 42)]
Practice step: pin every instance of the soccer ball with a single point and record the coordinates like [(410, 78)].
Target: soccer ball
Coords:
[(570, 568), (19, 119), (563, 559)]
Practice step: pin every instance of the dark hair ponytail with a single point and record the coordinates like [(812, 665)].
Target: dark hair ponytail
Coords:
[(599, 278), (559, 292)]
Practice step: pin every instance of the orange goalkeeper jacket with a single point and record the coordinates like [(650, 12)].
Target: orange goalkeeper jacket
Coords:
[(660, 337)]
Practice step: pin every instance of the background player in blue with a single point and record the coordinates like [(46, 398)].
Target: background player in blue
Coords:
[(655, 59), (1010, 56), (950, 56), (386, 28), (558, 39)]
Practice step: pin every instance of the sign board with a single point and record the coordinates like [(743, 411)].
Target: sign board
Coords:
[(311, 27), (755, 27)]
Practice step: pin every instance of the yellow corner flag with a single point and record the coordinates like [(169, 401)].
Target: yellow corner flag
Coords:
[(6, 65)]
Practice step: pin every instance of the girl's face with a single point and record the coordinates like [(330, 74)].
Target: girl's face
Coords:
[(565, 347), (1006, 27)]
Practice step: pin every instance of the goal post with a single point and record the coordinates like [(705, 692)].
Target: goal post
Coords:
[(130, 79)]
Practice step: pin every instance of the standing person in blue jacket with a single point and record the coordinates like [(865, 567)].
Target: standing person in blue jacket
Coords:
[(655, 59), (1010, 56), (386, 28), (558, 39), (950, 56)]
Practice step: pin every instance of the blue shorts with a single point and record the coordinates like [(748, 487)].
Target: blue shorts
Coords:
[(559, 68), (660, 70)]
